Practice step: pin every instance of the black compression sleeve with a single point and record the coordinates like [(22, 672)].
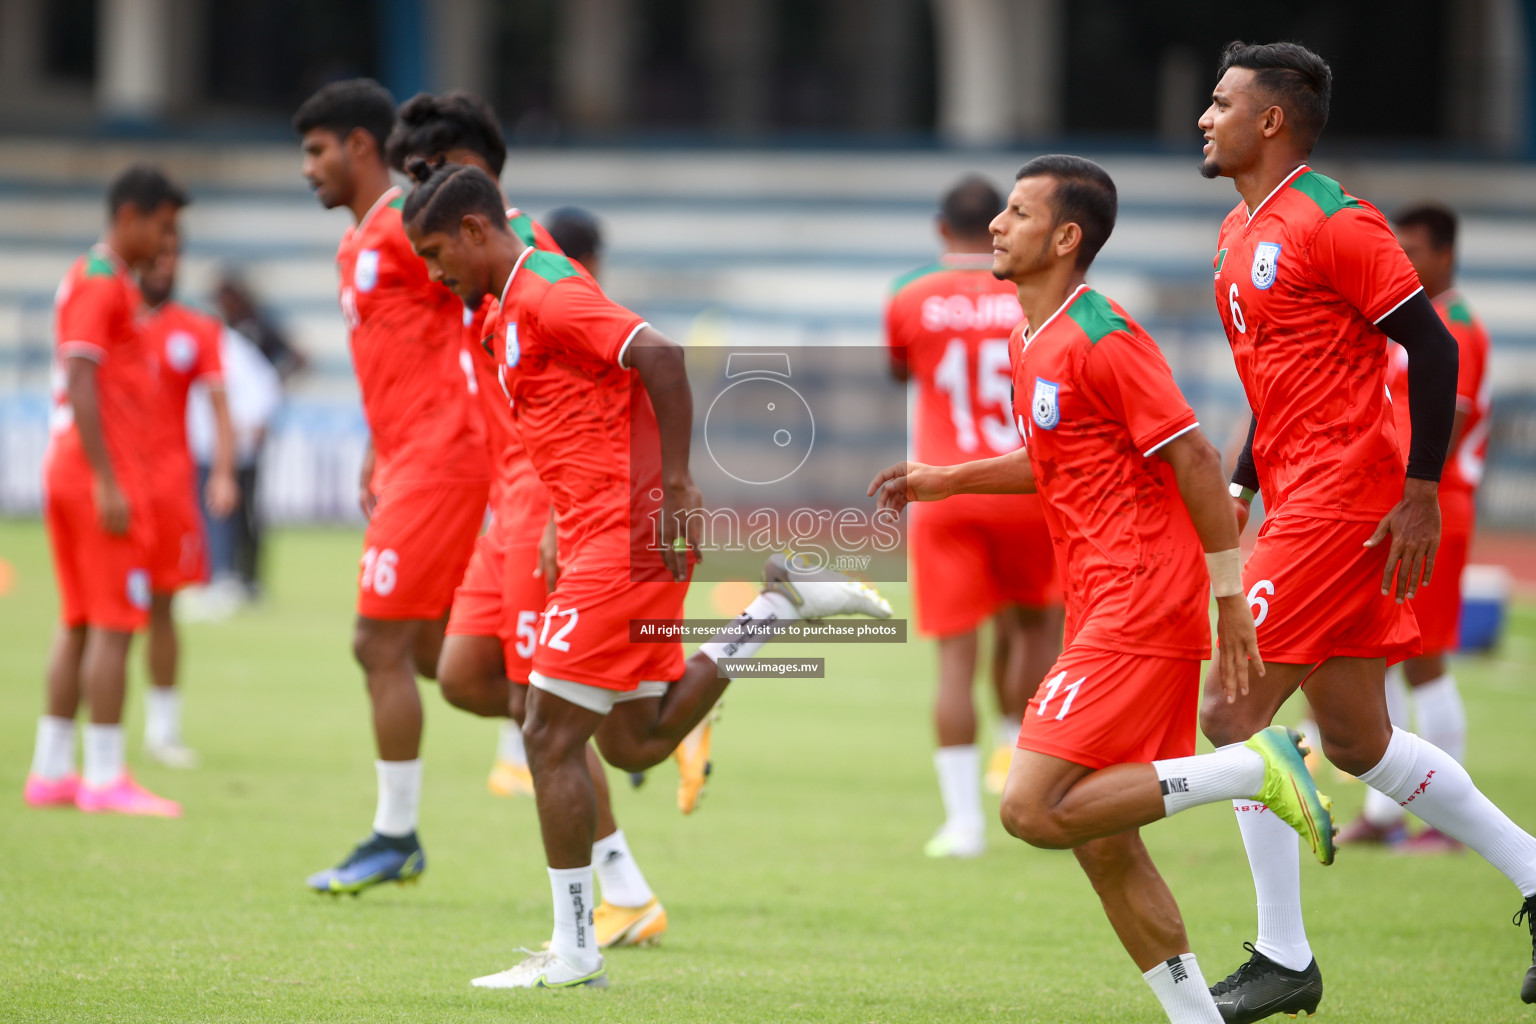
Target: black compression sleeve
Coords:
[(1246, 474), (1432, 363)]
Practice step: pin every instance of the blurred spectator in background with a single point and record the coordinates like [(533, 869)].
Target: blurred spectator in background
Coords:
[(578, 235), (239, 309), (255, 392)]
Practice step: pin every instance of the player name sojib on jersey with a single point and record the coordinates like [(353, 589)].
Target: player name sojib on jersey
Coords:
[(987, 311)]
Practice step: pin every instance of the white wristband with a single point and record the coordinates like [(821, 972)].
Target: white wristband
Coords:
[(1226, 569)]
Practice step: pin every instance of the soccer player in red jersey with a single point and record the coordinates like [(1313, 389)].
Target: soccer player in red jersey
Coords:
[(602, 404), (978, 556), (1310, 285), (185, 345), (1143, 533), (426, 475), (97, 501), (1428, 237), (492, 627)]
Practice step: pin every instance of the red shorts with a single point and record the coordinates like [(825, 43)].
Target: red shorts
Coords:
[(180, 555), (583, 634), (1097, 708), (501, 597), (1315, 591), (965, 570), (523, 598), (103, 579), (1438, 606), (416, 548)]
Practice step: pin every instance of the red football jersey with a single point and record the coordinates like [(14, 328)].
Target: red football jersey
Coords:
[(185, 344), (579, 411), (1464, 469), (948, 324), (96, 313), (1094, 399), (1300, 286), (516, 493), (407, 349)]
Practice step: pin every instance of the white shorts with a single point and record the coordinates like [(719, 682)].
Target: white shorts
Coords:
[(596, 698)]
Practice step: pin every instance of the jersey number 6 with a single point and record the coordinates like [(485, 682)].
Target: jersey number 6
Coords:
[(1237, 310)]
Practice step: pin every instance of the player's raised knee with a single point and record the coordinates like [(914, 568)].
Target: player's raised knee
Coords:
[(1026, 816)]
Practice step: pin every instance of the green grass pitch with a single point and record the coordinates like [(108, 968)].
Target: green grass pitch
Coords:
[(798, 892)]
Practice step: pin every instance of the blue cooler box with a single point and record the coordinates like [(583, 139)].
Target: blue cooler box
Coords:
[(1485, 593)]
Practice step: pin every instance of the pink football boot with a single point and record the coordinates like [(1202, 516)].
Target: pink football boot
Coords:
[(125, 796), (41, 792)]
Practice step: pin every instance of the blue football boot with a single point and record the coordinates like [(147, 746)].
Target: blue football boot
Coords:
[(375, 860)]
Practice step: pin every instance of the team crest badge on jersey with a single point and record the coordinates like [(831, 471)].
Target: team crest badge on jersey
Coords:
[(1266, 261), (367, 273), (1046, 412), (514, 350), (180, 351)]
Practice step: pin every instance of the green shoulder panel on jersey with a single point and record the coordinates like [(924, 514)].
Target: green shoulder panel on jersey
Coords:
[(1328, 194), (522, 227), (97, 265), (1093, 313), (550, 266), (1459, 312), (907, 278), (397, 203)]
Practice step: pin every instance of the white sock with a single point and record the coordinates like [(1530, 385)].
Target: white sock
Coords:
[(1226, 773), (573, 939), (399, 797), (622, 883), (738, 641), (1442, 717), (959, 771), (1274, 856), (1381, 810), (104, 761), (1006, 731), (509, 744), (1180, 987), (53, 756), (1430, 783), (162, 716)]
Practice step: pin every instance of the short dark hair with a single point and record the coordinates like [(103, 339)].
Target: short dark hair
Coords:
[(1085, 195), (1300, 82), (970, 205), (576, 232), (445, 195), (144, 187), (1438, 220), (342, 107), (429, 126)]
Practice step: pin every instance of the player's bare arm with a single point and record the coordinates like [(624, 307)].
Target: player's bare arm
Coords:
[(366, 499), (1245, 479), (1197, 468), (1414, 523), (111, 503), (223, 493), (659, 361), (905, 482)]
